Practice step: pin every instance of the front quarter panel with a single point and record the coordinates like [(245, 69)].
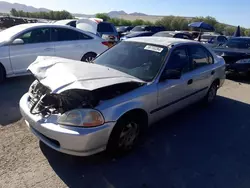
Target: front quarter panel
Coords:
[(144, 98), (5, 59)]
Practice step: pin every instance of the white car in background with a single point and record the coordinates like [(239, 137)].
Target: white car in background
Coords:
[(20, 45)]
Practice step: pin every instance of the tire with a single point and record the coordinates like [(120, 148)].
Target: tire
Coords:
[(211, 94), (2, 74), (124, 136), (88, 57)]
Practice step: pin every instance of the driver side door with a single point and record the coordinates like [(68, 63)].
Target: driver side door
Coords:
[(36, 42), (173, 94)]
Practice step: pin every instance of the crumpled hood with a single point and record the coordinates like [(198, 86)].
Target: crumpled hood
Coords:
[(60, 74)]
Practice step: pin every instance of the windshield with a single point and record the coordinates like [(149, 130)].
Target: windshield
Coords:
[(140, 60), (238, 43), (6, 34)]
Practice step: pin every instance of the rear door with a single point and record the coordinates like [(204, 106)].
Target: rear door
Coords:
[(202, 70), (70, 43), (37, 42)]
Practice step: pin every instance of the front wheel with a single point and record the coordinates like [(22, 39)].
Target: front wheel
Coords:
[(2, 74), (89, 57), (124, 136)]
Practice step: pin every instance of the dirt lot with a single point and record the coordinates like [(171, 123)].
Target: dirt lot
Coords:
[(196, 148)]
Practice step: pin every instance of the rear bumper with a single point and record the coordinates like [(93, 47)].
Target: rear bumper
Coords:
[(238, 67), (70, 140)]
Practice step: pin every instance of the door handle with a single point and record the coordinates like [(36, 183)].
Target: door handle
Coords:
[(212, 73), (190, 81), (48, 49)]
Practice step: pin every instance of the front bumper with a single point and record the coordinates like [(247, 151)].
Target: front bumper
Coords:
[(70, 140)]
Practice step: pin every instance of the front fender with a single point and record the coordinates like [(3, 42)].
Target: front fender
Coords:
[(5, 59), (114, 113)]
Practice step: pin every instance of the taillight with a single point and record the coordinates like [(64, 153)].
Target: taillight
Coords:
[(108, 44)]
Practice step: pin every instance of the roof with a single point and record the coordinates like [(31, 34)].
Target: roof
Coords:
[(163, 41), (64, 22), (240, 37)]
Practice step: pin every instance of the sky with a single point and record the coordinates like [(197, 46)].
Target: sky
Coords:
[(225, 11)]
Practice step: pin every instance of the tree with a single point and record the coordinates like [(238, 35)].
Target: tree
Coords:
[(103, 16), (229, 30), (137, 22), (13, 12), (247, 32), (125, 22)]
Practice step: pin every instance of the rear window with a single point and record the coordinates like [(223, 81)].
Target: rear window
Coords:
[(104, 27)]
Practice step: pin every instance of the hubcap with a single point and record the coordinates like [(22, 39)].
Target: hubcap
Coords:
[(212, 93), (89, 59), (128, 136)]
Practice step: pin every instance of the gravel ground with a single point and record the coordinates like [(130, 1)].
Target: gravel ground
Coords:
[(195, 148)]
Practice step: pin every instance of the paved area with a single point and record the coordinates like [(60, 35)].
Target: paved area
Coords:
[(195, 148)]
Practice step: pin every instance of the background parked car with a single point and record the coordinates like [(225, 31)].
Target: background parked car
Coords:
[(97, 27), (213, 40), (123, 29), (20, 45), (174, 35), (137, 34), (141, 28), (236, 52)]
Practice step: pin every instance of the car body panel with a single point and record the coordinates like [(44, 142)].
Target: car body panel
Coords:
[(5, 59), (61, 74), (22, 55), (156, 98), (71, 139)]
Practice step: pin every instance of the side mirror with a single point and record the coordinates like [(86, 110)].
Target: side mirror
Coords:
[(170, 74), (18, 41)]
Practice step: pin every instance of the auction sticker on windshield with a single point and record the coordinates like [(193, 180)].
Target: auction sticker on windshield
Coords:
[(153, 48)]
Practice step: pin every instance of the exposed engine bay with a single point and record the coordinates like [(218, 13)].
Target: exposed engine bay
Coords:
[(43, 102)]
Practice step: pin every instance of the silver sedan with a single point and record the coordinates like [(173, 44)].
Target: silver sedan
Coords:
[(85, 108)]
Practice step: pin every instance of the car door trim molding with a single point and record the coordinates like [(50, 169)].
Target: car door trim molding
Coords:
[(178, 100)]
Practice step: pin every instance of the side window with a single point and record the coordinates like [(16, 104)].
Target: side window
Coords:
[(36, 36), (200, 57), (82, 36), (104, 27), (178, 60), (62, 34), (72, 24)]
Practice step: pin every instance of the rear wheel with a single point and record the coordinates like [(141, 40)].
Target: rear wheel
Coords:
[(2, 74), (88, 57), (211, 94)]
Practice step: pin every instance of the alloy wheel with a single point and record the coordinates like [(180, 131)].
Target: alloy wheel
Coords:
[(128, 136)]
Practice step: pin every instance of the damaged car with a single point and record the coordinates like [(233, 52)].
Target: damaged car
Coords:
[(85, 108)]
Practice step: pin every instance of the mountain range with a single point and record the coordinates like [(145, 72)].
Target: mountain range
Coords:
[(5, 7)]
